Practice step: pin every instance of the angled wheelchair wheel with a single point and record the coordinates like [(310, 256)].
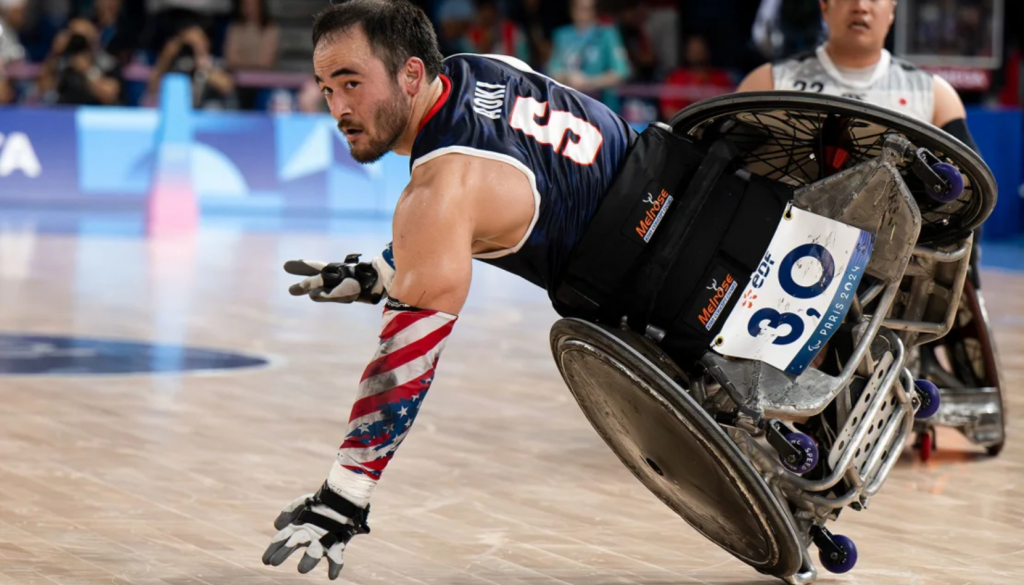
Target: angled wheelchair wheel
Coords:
[(799, 138), (673, 446), (971, 388)]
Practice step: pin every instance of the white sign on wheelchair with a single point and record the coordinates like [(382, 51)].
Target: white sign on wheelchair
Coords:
[(800, 293)]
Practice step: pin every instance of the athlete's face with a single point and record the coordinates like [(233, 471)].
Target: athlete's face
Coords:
[(363, 97), (858, 25)]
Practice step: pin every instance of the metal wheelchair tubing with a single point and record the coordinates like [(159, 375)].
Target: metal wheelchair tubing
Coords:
[(939, 329), (887, 440), (908, 427), (940, 256), (876, 323), (840, 382), (874, 480), (901, 390), (858, 437), (871, 294)]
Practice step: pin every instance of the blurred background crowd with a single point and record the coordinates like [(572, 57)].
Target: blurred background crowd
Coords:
[(645, 58)]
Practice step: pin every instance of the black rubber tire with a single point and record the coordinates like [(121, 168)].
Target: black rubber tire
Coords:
[(983, 187)]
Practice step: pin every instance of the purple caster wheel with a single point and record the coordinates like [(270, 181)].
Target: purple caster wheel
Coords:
[(956, 182), (840, 556), (930, 399), (807, 447)]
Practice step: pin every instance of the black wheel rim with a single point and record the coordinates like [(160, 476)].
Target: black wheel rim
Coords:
[(799, 139)]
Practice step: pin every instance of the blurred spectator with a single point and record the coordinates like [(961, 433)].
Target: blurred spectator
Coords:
[(252, 42), (12, 18), (310, 99), (77, 70), (539, 19), (696, 75), (492, 33), (253, 37), (726, 26), (588, 55), (189, 53), (633, 28), (105, 15), (454, 17), (664, 31), (169, 17), (6, 90)]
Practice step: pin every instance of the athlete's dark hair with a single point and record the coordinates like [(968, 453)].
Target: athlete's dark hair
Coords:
[(396, 30)]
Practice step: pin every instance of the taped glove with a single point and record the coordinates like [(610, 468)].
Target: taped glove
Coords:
[(344, 282), (323, 523)]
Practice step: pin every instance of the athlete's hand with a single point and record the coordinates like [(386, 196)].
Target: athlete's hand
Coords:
[(323, 523), (342, 282)]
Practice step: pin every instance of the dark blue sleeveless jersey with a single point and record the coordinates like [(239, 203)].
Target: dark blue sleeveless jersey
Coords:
[(568, 145)]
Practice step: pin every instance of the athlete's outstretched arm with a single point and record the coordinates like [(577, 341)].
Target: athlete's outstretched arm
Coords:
[(433, 239), (453, 206)]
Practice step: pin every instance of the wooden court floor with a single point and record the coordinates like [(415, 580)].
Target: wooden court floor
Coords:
[(175, 479)]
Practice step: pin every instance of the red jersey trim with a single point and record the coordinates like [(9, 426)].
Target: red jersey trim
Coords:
[(447, 84)]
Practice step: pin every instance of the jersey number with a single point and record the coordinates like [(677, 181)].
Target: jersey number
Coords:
[(572, 137), (801, 85)]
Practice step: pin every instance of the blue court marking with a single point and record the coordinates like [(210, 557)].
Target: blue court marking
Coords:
[(40, 355)]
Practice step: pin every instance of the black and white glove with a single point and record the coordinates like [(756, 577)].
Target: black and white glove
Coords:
[(344, 282), (323, 523)]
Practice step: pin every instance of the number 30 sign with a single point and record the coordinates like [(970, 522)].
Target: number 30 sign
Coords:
[(800, 293)]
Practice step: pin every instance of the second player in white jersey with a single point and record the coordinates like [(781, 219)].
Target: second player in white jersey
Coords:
[(854, 63), (891, 82)]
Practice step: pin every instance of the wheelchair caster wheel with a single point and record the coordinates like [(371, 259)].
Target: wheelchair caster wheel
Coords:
[(956, 182), (807, 447), (930, 399), (840, 556)]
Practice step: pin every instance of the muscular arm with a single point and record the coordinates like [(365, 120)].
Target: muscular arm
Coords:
[(454, 206), (759, 79), (433, 241)]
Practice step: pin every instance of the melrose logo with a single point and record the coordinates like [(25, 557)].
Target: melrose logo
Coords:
[(17, 154), (654, 215), (717, 302)]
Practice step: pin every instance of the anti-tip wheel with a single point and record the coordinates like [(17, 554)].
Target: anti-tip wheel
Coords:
[(808, 447), (930, 399), (841, 560), (956, 182)]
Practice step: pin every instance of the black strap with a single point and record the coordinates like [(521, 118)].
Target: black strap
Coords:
[(308, 516), (653, 274), (335, 501)]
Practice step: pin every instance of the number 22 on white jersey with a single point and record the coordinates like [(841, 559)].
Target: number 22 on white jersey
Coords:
[(583, 142)]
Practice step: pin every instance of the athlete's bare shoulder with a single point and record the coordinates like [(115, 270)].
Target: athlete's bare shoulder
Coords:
[(948, 105), (759, 79), (494, 198)]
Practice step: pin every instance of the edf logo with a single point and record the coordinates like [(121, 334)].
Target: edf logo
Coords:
[(17, 154)]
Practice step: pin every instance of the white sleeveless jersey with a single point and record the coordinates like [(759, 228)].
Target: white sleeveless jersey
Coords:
[(894, 84)]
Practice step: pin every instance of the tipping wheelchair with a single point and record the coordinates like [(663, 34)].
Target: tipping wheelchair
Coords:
[(757, 364)]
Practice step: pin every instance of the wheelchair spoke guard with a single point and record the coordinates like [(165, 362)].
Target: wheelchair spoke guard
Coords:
[(673, 446), (799, 138)]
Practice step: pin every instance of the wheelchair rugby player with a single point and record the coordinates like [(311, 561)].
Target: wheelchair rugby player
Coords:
[(699, 267)]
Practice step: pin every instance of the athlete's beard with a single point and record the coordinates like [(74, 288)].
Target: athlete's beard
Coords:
[(389, 122)]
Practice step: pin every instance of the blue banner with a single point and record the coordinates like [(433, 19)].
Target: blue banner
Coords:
[(237, 162), (38, 155)]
